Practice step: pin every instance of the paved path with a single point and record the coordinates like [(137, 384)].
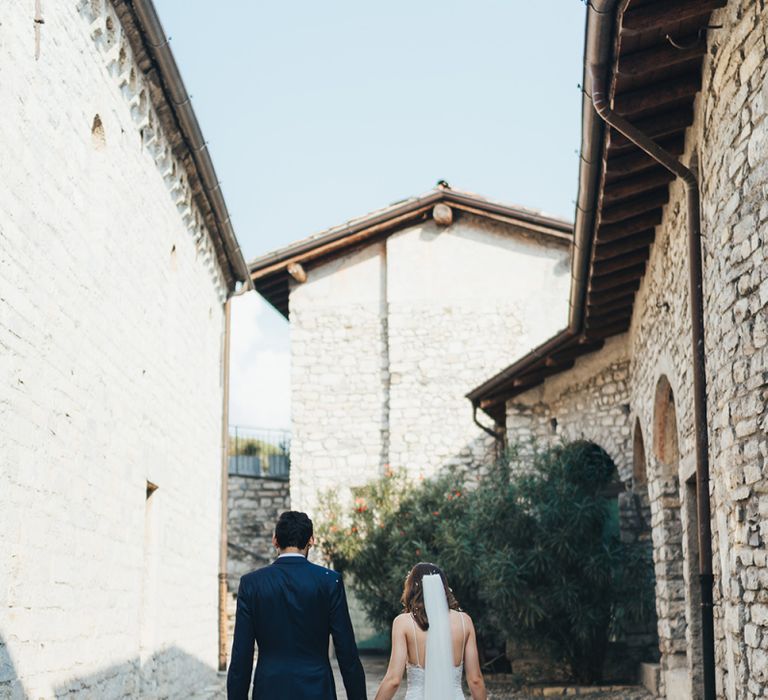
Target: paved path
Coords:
[(375, 666)]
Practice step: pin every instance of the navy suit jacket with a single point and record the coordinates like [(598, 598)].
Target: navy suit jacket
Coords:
[(290, 609)]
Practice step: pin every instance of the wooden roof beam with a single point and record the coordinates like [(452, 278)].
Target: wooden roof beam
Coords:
[(602, 332), (596, 295), (617, 279), (629, 187), (624, 166), (663, 56), (657, 95), (626, 245), (606, 267), (621, 316), (601, 308), (606, 233), (664, 13), (657, 126), (633, 207)]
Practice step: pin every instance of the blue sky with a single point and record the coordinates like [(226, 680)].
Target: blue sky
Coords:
[(317, 112)]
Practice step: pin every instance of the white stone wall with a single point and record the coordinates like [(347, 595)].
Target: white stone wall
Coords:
[(338, 376), (110, 346), (387, 340), (461, 302), (730, 139)]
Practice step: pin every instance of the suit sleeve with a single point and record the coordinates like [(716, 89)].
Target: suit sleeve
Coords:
[(241, 663), (344, 643)]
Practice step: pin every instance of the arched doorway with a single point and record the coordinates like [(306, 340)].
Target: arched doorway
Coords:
[(678, 627), (638, 526)]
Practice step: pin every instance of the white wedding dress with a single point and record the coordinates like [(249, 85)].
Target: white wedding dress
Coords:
[(416, 675)]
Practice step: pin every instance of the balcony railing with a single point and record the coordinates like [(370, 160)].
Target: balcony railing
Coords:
[(259, 452)]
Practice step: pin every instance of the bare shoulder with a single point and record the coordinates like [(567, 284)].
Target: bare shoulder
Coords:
[(400, 620), (399, 626), (466, 618)]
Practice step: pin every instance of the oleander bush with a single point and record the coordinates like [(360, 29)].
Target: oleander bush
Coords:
[(531, 549)]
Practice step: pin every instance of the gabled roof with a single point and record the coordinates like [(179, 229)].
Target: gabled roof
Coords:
[(270, 272), (651, 52)]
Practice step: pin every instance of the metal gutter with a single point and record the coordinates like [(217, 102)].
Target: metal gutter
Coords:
[(598, 47), (224, 481), (180, 102)]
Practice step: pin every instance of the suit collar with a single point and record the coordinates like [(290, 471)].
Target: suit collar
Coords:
[(290, 561)]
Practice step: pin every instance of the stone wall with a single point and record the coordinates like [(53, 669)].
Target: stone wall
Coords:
[(255, 503), (733, 146), (461, 300), (730, 143), (338, 377), (111, 324), (729, 140), (387, 340), (253, 506), (590, 402)]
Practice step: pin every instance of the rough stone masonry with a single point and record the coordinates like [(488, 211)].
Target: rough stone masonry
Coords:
[(730, 142), (387, 339)]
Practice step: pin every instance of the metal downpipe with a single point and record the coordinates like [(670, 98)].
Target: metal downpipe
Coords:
[(601, 103), (224, 506)]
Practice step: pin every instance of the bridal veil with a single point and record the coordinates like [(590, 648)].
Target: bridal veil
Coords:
[(438, 667)]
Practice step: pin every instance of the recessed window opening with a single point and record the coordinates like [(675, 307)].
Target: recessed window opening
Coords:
[(98, 137)]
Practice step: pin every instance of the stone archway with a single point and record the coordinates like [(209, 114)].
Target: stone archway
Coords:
[(668, 555), (641, 498), (637, 528)]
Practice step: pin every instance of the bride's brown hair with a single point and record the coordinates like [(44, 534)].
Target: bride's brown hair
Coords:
[(413, 592)]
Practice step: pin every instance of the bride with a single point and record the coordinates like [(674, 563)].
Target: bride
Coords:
[(434, 640)]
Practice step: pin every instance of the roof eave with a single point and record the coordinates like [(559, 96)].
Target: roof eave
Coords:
[(598, 48), (269, 272), (145, 32)]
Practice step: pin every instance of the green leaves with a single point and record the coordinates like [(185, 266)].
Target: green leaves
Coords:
[(531, 550)]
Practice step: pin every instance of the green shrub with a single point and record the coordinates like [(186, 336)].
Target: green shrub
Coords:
[(391, 525), (532, 550)]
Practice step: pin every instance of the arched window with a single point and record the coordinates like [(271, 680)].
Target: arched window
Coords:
[(639, 475), (665, 428)]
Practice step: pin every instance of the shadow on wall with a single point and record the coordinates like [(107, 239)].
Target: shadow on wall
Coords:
[(10, 685), (170, 673)]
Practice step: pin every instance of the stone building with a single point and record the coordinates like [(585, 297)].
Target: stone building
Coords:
[(116, 262), (622, 372), (394, 316)]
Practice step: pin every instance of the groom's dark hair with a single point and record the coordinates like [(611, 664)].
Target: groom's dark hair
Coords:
[(293, 529)]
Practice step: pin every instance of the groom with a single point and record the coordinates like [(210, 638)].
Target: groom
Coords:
[(289, 609)]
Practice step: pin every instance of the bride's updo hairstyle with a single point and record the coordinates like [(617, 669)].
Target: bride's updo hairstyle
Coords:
[(413, 592)]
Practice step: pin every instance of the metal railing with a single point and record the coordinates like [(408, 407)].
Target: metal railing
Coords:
[(260, 452)]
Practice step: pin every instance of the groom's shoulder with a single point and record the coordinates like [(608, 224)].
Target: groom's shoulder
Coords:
[(324, 572)]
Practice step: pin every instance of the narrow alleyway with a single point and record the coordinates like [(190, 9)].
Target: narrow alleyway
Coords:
[(375, 667)]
